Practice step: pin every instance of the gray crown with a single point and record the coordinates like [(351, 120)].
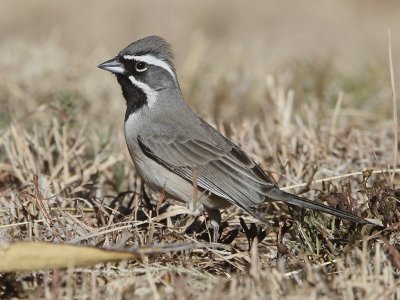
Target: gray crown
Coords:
[(153, 45)]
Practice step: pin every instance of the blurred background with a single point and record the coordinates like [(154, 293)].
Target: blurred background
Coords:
[(48, 49), (225, 51), (355, 32)]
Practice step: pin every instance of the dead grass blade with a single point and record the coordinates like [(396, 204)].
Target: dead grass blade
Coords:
[(395, 118), (28, 256)]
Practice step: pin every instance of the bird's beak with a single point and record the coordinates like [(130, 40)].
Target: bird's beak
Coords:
[(113, 65)]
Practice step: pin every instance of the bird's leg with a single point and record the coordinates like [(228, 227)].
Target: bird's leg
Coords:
[(160, 201), (145, 197), (215, 220)]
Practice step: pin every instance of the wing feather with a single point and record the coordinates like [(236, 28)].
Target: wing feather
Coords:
[(227, 172)]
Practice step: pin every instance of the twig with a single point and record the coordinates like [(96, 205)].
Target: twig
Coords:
[(335, 118), (339, 177), (396, 142)]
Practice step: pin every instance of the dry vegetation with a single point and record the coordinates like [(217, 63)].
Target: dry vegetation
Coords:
[(65, 176)]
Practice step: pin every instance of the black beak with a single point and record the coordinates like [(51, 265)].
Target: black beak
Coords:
[(113, 65)]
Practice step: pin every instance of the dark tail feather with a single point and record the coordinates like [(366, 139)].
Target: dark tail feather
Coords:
[(277, 194)]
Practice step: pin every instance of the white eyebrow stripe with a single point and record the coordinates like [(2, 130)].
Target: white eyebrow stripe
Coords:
[(151, 94), (151, 60)]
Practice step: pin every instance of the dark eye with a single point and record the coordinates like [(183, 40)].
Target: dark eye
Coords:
[(140, 66)]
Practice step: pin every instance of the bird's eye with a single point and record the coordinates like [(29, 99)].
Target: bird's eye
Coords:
[(140, 66)]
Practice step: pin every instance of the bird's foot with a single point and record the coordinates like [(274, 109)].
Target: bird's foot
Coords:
[(215, 220), (196, 210), (215, 227)]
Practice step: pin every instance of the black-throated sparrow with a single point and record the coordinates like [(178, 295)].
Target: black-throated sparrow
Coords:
[(171, 146)]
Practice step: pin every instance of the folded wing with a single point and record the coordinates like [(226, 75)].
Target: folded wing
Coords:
[(228, 173)]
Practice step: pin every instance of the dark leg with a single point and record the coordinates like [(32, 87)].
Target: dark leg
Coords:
[(215, 220), (146, 197)]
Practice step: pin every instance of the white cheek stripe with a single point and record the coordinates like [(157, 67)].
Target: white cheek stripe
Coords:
[(151, 60), (151, 94)]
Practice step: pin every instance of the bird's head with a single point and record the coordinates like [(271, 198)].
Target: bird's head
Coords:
[(143, 69)]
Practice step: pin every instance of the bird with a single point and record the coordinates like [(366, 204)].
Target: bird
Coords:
[(175, 151)]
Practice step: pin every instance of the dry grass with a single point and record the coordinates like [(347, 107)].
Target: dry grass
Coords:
[(65, 176)]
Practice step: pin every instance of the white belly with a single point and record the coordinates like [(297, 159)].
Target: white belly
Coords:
[(162, 180)]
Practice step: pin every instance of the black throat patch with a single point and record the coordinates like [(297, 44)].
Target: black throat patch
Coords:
[(135, 98)]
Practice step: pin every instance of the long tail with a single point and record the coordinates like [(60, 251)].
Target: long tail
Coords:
[(277, 194)]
